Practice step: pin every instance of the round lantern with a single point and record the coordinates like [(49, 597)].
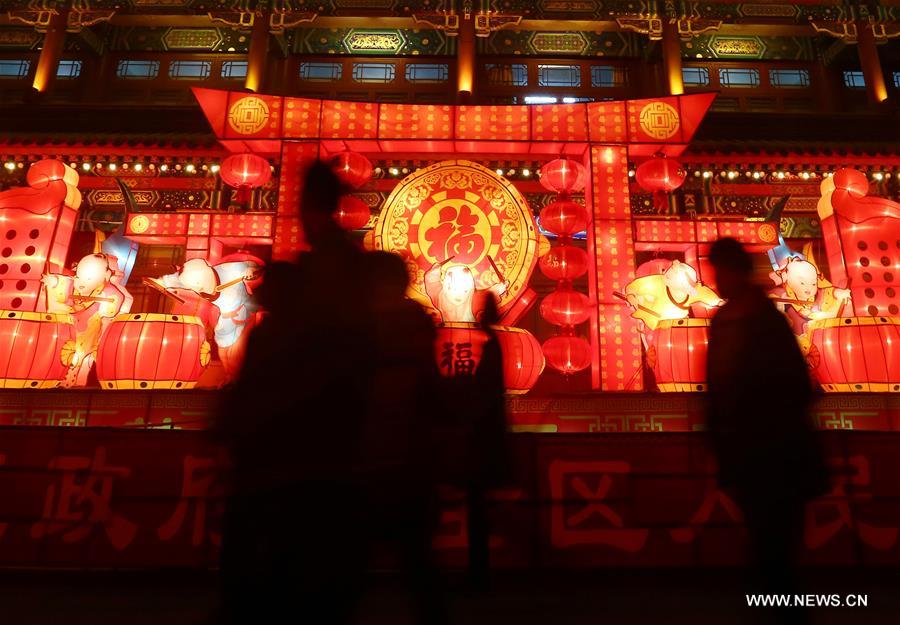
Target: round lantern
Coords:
[(352, 213), (660, 175), (563, 176), (678, 354), (564, 218), (152, 350), (566, 307), (565, 262), (856, 354), (352, 168), (567, 353), (459, 348), (40, 346), (245, 172)]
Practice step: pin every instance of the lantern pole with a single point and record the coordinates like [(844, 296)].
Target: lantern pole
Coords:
[(54, 39), (465, 55), (258, 53), (671, 53), (870, 63)]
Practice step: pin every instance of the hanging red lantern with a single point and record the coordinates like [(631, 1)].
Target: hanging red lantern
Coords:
[(567, 353), (565, 262), (352, 213), (563, 176), (566, 307), (352, 168), (564, 218), (245, 172), (660, 175)]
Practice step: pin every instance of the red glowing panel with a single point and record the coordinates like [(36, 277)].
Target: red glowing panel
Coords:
[(248, 225), (707, 231), (749, 232), (295, 156), (415, 121), (856, 354), (198, 224), (609, 177), (654, 121), (678, 355), (253, 116), (301, 118), (495, 123), (559, 122), (349, 120), (288, 238), (614, 256), (620, 349), (606, 121), (664, 231), (157, 224)]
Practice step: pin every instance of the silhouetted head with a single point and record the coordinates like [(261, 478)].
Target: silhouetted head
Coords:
[(490, 315), (733, 267), (319, 201), (387, 275)]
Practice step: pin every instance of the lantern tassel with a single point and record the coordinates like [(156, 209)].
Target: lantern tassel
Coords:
[(660, 201)]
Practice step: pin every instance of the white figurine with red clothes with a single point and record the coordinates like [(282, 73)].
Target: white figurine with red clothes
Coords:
[(453, 293)]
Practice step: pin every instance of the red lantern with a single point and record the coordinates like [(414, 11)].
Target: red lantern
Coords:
[(565, 262), (678, 354), (564, 218), (245, 172), (660, 175), (856, 354), (38, 348), (152, 350), (352, 168), (568, 354), (352, 213), (566, 307), (563, 176)]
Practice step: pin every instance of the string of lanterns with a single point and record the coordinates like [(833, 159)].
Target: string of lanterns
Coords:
[(354, 170)]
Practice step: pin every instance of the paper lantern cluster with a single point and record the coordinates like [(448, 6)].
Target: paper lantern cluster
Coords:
[(354, 170), (565, 307)]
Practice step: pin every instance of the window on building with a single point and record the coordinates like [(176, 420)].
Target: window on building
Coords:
[(427, 72), (137, 70), (608, 76), (854, 80), (897, 80), (233, 70), (559, 75), (14, 69), (189, 70), (507, 74), (695, 76), (789, 77), (549, 99), (374, 72), (321, 72), (738, 77), (68, 69)]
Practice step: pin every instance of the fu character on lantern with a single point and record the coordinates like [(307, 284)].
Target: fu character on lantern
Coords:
[(93, 297), (453, 293)]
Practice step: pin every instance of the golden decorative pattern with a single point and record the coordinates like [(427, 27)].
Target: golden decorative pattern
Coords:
[(659, 120), (767, 233), (139, 224), (248, 115)]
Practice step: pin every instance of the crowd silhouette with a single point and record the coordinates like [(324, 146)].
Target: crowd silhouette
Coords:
[(340, 427)]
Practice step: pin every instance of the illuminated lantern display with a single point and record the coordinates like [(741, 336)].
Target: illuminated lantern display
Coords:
[(352, 213), (659, 176), (459, 347), (42, 344), (856, 354), (352, 168), (152, 351), (677, 354), (567, 354), (245, 172), (564, 218), (565, 306), (563, 176), (564, 262)]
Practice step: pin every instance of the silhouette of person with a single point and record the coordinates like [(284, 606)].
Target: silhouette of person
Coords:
[(758, 400), (293, 425), (399, 430)]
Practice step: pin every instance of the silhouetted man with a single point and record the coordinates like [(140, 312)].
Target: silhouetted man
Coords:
[(759, 395)]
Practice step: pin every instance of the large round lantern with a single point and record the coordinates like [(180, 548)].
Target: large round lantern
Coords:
[(565, 262), (352, 213), (659, 176), (152, 350), (564, 218), (353, 169), (568, 354), (566, 307), (38, 346), (563, 176), (856, 354), (459, 348), (678, 354), (245, 172)]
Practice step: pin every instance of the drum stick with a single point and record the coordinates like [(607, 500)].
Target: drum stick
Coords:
[(155, 285), (494, 267), (643, 308), (92, 298), (444, 262)]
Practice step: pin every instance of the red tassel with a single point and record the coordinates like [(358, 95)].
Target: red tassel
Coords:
[(660, 201)]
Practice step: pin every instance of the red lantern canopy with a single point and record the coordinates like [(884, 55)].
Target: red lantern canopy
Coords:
[(352, 213), (352, 168), (564, 218), (563, 176), (567, 353), (565, 262), (566, 307), (660, 175)]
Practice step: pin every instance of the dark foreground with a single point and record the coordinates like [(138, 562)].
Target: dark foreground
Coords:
[(621, 597)]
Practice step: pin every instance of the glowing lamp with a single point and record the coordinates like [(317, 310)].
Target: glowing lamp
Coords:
[(564, 262), (566, 307), (678, 354), (856, 354), (564, 218), (41, 345), (563, 176), (352, 168), (660, 175), (568, 354), (352, 213), (245, 172)]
